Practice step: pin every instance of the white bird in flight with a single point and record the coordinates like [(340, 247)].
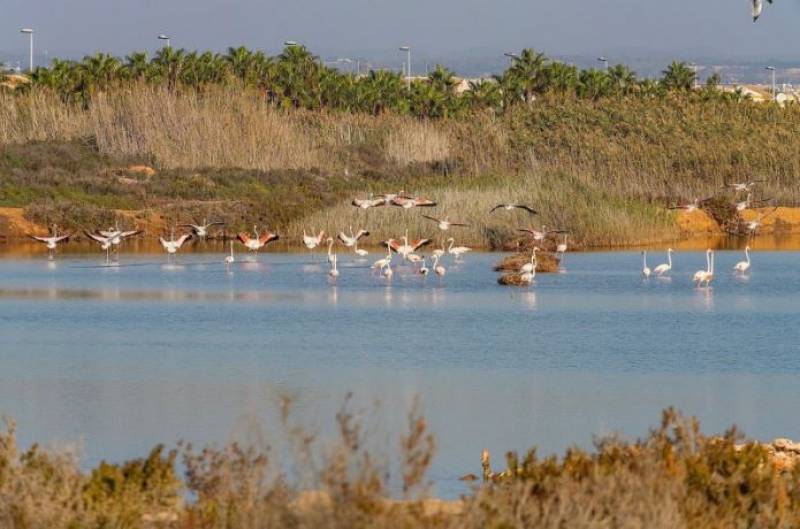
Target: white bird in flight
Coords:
[(758, 6)]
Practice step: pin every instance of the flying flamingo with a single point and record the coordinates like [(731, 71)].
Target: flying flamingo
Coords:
[(173, 245), (510, 207), (412, 202), (201, 230), (662, 269), (407, 248), (351, 241), (53, 241), (312, 241), (645, 268), (445, 223), (254, 244), (105, 242), (692, 206), (742, 267)]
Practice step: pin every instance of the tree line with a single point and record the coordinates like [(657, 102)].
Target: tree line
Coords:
[(296, 78)]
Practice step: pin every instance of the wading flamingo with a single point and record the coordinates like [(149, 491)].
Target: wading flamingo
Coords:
[(742, 267), (105, 242), (52, 241), (172, 245), (705, 276), (333, 272), (531, 267), (437, 268), (254, 244), (229, 259), (662, 269), (645, 269), (423, 269), (312, 241), (562, 248), (201, 230), (458, 251)]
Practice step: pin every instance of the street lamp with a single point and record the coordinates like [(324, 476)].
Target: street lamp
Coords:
[(166, 38), (604, 61), (772, 69), (29, 31), (511, 57), (291, 43), (407, 49), (695, 70)]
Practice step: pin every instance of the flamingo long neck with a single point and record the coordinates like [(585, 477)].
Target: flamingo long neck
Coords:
[(330, 246), (747, 254), (644, 259), (450, 248), (669, 258), (708, 262), (712, 263)]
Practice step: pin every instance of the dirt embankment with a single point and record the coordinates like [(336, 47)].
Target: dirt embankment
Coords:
[(773, 220)]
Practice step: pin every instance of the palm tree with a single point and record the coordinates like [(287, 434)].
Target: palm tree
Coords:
[(168, 64), (528, 74), (136, 66), (623, 79), (594, 84), (678, 76), (563, 77)]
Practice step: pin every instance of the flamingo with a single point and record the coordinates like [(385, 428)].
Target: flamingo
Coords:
[(704, 276), (537, 235), (173, 245), (562, 248), (53, 241), (330, 249), (333, 272), (757, 7), (692, 206), (352, 240), (407, 248), (201, 230), (229, 259), (423, 269), (445, 224), (312, 241), (105, 242), (439, 251), (509, 207), (412, 202), (645, 268), (387, 271), (743, 186), (743, 267), (116, 236), (531, 267), (458, 251), (358, 251), (380, 263), (437, 268), (744, 204), (662, 269), (254, 244), (756, 223), (368, 203)]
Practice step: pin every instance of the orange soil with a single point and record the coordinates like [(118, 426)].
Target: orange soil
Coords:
[(784, 220), (13, 224), (697, 222)]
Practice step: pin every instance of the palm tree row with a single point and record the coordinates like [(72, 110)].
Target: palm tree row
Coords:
[(296, 78)]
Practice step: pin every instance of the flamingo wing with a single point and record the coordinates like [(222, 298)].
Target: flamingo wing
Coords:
[(416, 245), (400, 201), (362, 233), (182, 239), (268, 238), (434, 219), (425, 203), (342, 237), (130, 233), (526, 208), (40, 239), (96, 237), (62, 238), (244, 238), (392, 245)]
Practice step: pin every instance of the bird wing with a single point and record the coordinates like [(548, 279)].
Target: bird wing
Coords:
[(400, 201), (244, 238), (378, 202), (498, 206), (268, 238), (392, 245), (163, 242), (182, 239), (434, 219), (362, 233), (756, 9), (425, 203), (106, 233), (526, 208), (416, 245), (96, 237), (62, 237), (130, 233), (342, 237), (195, 227), (215, 223), (40, 239), (357, 203), (459, 224), (528, 231)]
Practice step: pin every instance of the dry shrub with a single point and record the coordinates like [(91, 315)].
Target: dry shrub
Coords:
[(545, 262), (40, 116)]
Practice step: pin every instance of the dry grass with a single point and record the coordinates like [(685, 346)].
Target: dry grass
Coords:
[(674, 477), (604, 170)]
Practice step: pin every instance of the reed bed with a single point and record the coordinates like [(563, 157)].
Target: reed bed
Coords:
[(602, 169), (675, 476)]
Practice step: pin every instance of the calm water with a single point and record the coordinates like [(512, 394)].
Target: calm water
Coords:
[(118, 359)]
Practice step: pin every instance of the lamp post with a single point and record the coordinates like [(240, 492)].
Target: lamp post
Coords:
[(29, 31), (166, 38), (695, 70), (605, 62), (291, 43), (407, 49), (774, 91)]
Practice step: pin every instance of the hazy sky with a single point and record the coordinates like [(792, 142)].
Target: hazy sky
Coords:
[(683, 27)]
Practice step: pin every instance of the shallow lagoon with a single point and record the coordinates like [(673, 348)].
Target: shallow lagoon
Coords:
[(121, 358)]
